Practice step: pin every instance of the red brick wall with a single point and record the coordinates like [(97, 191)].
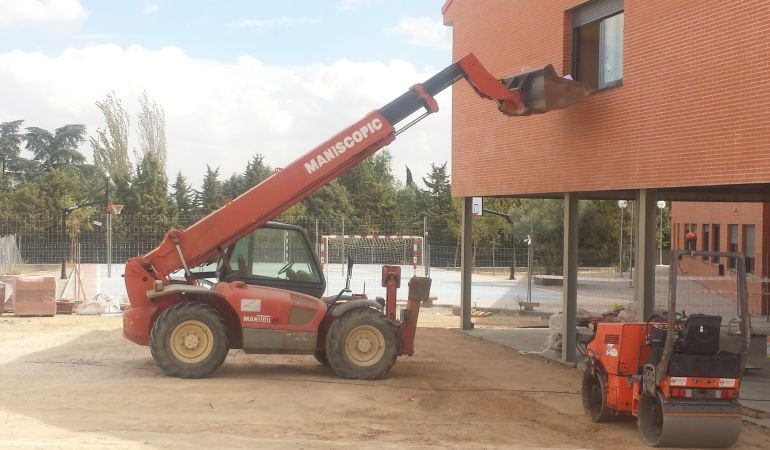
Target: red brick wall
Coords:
[(692, 109)]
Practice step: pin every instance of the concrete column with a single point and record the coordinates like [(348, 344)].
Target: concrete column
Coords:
[(645, 252), (569, 272), (466, 263)]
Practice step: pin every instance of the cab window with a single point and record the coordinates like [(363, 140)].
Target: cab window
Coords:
[(278, 254)]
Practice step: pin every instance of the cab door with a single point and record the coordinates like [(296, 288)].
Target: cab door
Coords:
[(279, 256)]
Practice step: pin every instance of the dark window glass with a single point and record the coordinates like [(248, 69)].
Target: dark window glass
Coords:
[(732, 243), (598, 52)]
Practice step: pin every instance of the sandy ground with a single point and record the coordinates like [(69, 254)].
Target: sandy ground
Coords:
[(73, 382)]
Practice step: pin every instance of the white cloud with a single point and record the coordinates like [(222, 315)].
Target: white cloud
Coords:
[(150, 8), (221, 113), (47, 13), (272, 23), (423, 32), (347, 5)]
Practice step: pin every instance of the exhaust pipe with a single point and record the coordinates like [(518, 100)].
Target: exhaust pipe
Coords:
[(542, 90)]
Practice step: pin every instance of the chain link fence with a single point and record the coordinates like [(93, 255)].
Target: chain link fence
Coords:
[(505, 275)]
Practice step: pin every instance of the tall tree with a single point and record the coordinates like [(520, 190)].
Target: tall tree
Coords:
[(443, 217), (373, 194), (211, 197), (57, 149), (256, 172), (110, 145), (150, 188), (183, 195), (152, 129), (10, 146)]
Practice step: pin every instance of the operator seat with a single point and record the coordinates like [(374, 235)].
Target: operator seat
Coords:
[(701, 335)]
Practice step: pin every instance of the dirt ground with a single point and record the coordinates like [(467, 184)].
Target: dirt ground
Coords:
[(73, 382)]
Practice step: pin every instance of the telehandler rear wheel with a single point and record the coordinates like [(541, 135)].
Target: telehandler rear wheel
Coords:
[(361, 344), (189, 340)]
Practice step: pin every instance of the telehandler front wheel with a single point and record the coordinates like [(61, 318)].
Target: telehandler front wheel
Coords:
[(189, 340), (361, 344)]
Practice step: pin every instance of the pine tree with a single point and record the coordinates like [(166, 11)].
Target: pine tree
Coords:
[(211, 194), (443, 217), (182, 195), (10, 147), (150, 188)]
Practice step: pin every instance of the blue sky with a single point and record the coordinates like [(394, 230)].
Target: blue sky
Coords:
[(233, 77)]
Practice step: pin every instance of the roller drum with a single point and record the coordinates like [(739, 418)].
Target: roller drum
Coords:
[(686, 423)]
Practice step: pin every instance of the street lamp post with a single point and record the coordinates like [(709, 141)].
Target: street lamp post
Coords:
[(622, 204), (661, 207)]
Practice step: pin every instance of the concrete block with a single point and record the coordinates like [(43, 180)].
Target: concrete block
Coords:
[(34, 296)]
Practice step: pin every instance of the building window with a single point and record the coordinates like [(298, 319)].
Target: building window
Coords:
[(732, 244), (598, 43), (715, 242), (705, 239), (748, 247)]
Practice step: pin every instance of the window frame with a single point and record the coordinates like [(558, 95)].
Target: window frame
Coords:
[(596, 12)]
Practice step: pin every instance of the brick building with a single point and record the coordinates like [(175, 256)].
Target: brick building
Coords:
[(734, 227), (680, 112)]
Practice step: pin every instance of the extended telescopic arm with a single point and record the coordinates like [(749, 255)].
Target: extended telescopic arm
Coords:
[(531, 92)]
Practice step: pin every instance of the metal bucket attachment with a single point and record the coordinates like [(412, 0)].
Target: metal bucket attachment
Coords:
[(542, 90)]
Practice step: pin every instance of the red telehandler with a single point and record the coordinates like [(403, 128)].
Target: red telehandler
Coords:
[(268, 294)]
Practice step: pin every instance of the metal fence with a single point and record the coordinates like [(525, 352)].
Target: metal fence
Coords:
[(504, 275)]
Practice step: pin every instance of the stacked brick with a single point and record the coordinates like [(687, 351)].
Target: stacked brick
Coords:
[(34, 296)]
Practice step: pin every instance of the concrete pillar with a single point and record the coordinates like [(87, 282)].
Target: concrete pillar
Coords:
[(467, 264), (569, 272), (646, 245)]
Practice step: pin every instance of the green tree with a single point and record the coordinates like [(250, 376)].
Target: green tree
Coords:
[(152, 129), (256, 172), (211, 197), (372, 192), (443, 216), (182, 194), (232, 187), (10, 147), (57, 149), (330, 203), (149, 189), (110, 145)]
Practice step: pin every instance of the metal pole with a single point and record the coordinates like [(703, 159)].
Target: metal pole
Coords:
[(425, 258), (109, 245), (64, 244), (622, 211), (317, 248), (631, 252), (467, 264), (529, 273), (660, 238)]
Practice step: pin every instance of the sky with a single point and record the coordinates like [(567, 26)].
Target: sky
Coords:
[(234, 77)]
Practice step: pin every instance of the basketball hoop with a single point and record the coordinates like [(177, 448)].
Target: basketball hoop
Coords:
[(114, 209)]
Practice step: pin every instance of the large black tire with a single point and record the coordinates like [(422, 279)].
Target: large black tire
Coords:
[(361, 344), (189, 340)]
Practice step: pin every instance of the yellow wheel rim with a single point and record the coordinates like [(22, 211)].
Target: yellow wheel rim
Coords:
[(192, 341), (365, 345)]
